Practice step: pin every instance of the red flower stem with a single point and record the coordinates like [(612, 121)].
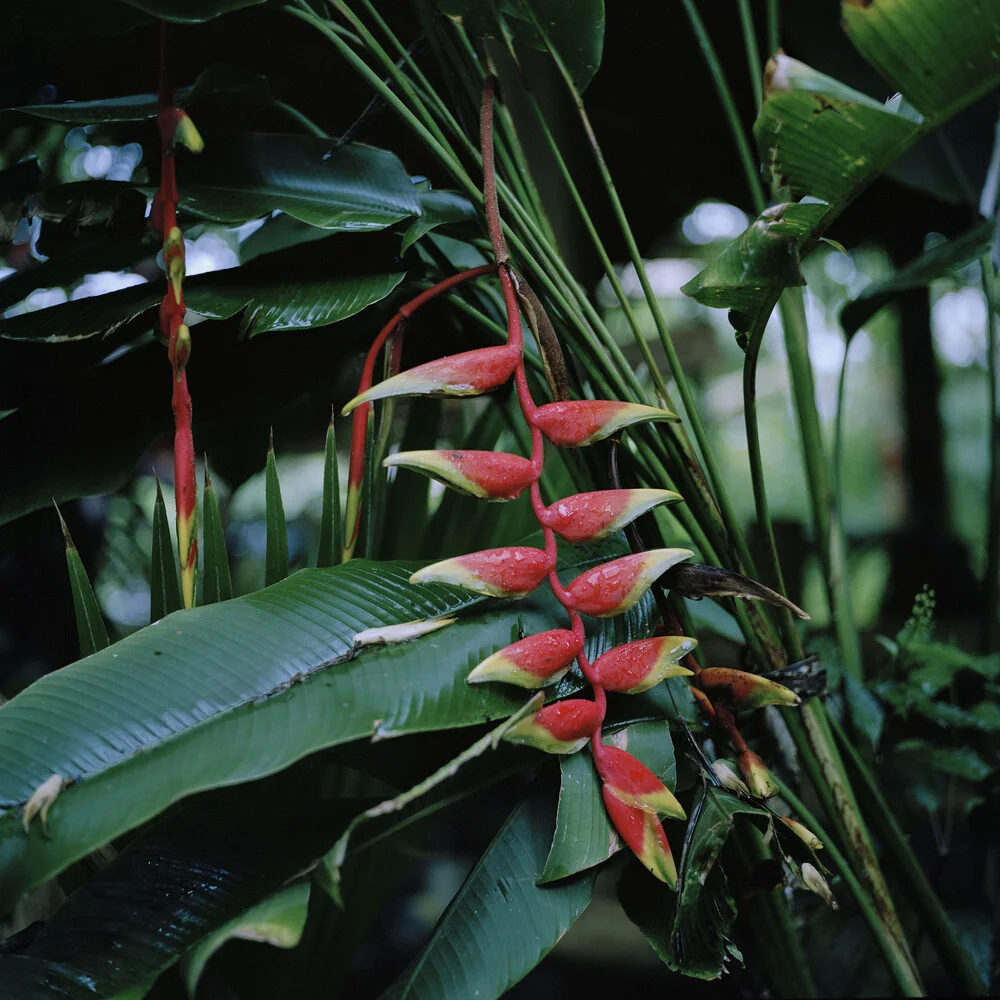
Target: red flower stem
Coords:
[(172, 312), (359, 423)]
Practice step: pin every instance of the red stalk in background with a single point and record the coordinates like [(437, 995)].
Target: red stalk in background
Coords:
[(175, 125)]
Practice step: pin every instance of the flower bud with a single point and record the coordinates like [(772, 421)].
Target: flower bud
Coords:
[(742, 690), (489, 475), (468, 374), (638, 666), (757, 776), (181, 350), (815, 882), (575, 422), (803, 833), (643, 833), (589, 517), (729, 778), (563, 727), (173, 260), (513, 571), (614, 587), (628, 779), (533, 662)]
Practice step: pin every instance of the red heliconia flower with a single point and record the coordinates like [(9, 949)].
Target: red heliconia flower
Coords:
[(563, 727), (532, 662), (704, 702), (757, 776), (575, 422), (638, 666), (468, 374), (643, 833), (589, 517), (628, 779), (614, 587), (489, 475), (743, 690), (514, 571)]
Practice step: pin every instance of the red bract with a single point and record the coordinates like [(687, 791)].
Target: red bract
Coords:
[(563, 727), (489, 475), (532, 662), (589, 517), (469, 374), (757, 776), (630, 780), (575, 422), (638, 666), (510, 572), (616, 586), (643, 833), (747, 691)]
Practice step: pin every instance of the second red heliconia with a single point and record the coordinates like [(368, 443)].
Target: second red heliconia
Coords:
[(514, 571)]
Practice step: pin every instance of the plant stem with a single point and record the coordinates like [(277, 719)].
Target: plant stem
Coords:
[(753, 52), (914, 880), (992, 577), (898, 965), (773, 28)]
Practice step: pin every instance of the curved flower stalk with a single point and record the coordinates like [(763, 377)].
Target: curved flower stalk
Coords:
[(635, 798), (176, 127)]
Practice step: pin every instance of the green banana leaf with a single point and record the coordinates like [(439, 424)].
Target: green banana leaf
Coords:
[(230, 692)]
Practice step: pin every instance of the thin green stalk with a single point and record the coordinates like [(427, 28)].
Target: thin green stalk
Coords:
[(753, 53), (898, 964), (740, 551), (747, 159), (829, 535), (992, 578), (913, 878), (773, 28)]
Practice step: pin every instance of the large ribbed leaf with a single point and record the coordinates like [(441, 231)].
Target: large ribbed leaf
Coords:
[(294, 289), (584, 836), (501, 923), (347, 186), (230, 692)]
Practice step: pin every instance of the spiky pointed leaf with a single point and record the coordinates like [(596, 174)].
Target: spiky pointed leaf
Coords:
[(276, 557), (164, 587)]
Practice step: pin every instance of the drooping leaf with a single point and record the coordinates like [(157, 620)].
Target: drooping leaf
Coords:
[(916, 274), (690, 931), (347, 186), (190, 11), (584, 836), (962, 762), (330, 541), (181, 880), (230, 692), (216, 582), (90, 629), (939, 56), (164, 588), (481, 946), (276, 556), (277, 921), (438, 208)]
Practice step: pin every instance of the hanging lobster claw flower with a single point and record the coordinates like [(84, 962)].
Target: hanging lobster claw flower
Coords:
[(468, 374), (533, 662), (489, 475), (757, 776), (563, 727), (589, 517), (616, 586), (704, 702), (803, 833), (628, 779), (643, 833), (513, 571), (575, 422), (638, 666), (176, 126), (742, 690)]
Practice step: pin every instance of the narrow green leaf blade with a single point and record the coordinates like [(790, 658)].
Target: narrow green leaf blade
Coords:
[(584, 836), (164, 586), (278, 921), (90, 628), (482, 945), (217, 584), (276, 558), (330, 531)]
